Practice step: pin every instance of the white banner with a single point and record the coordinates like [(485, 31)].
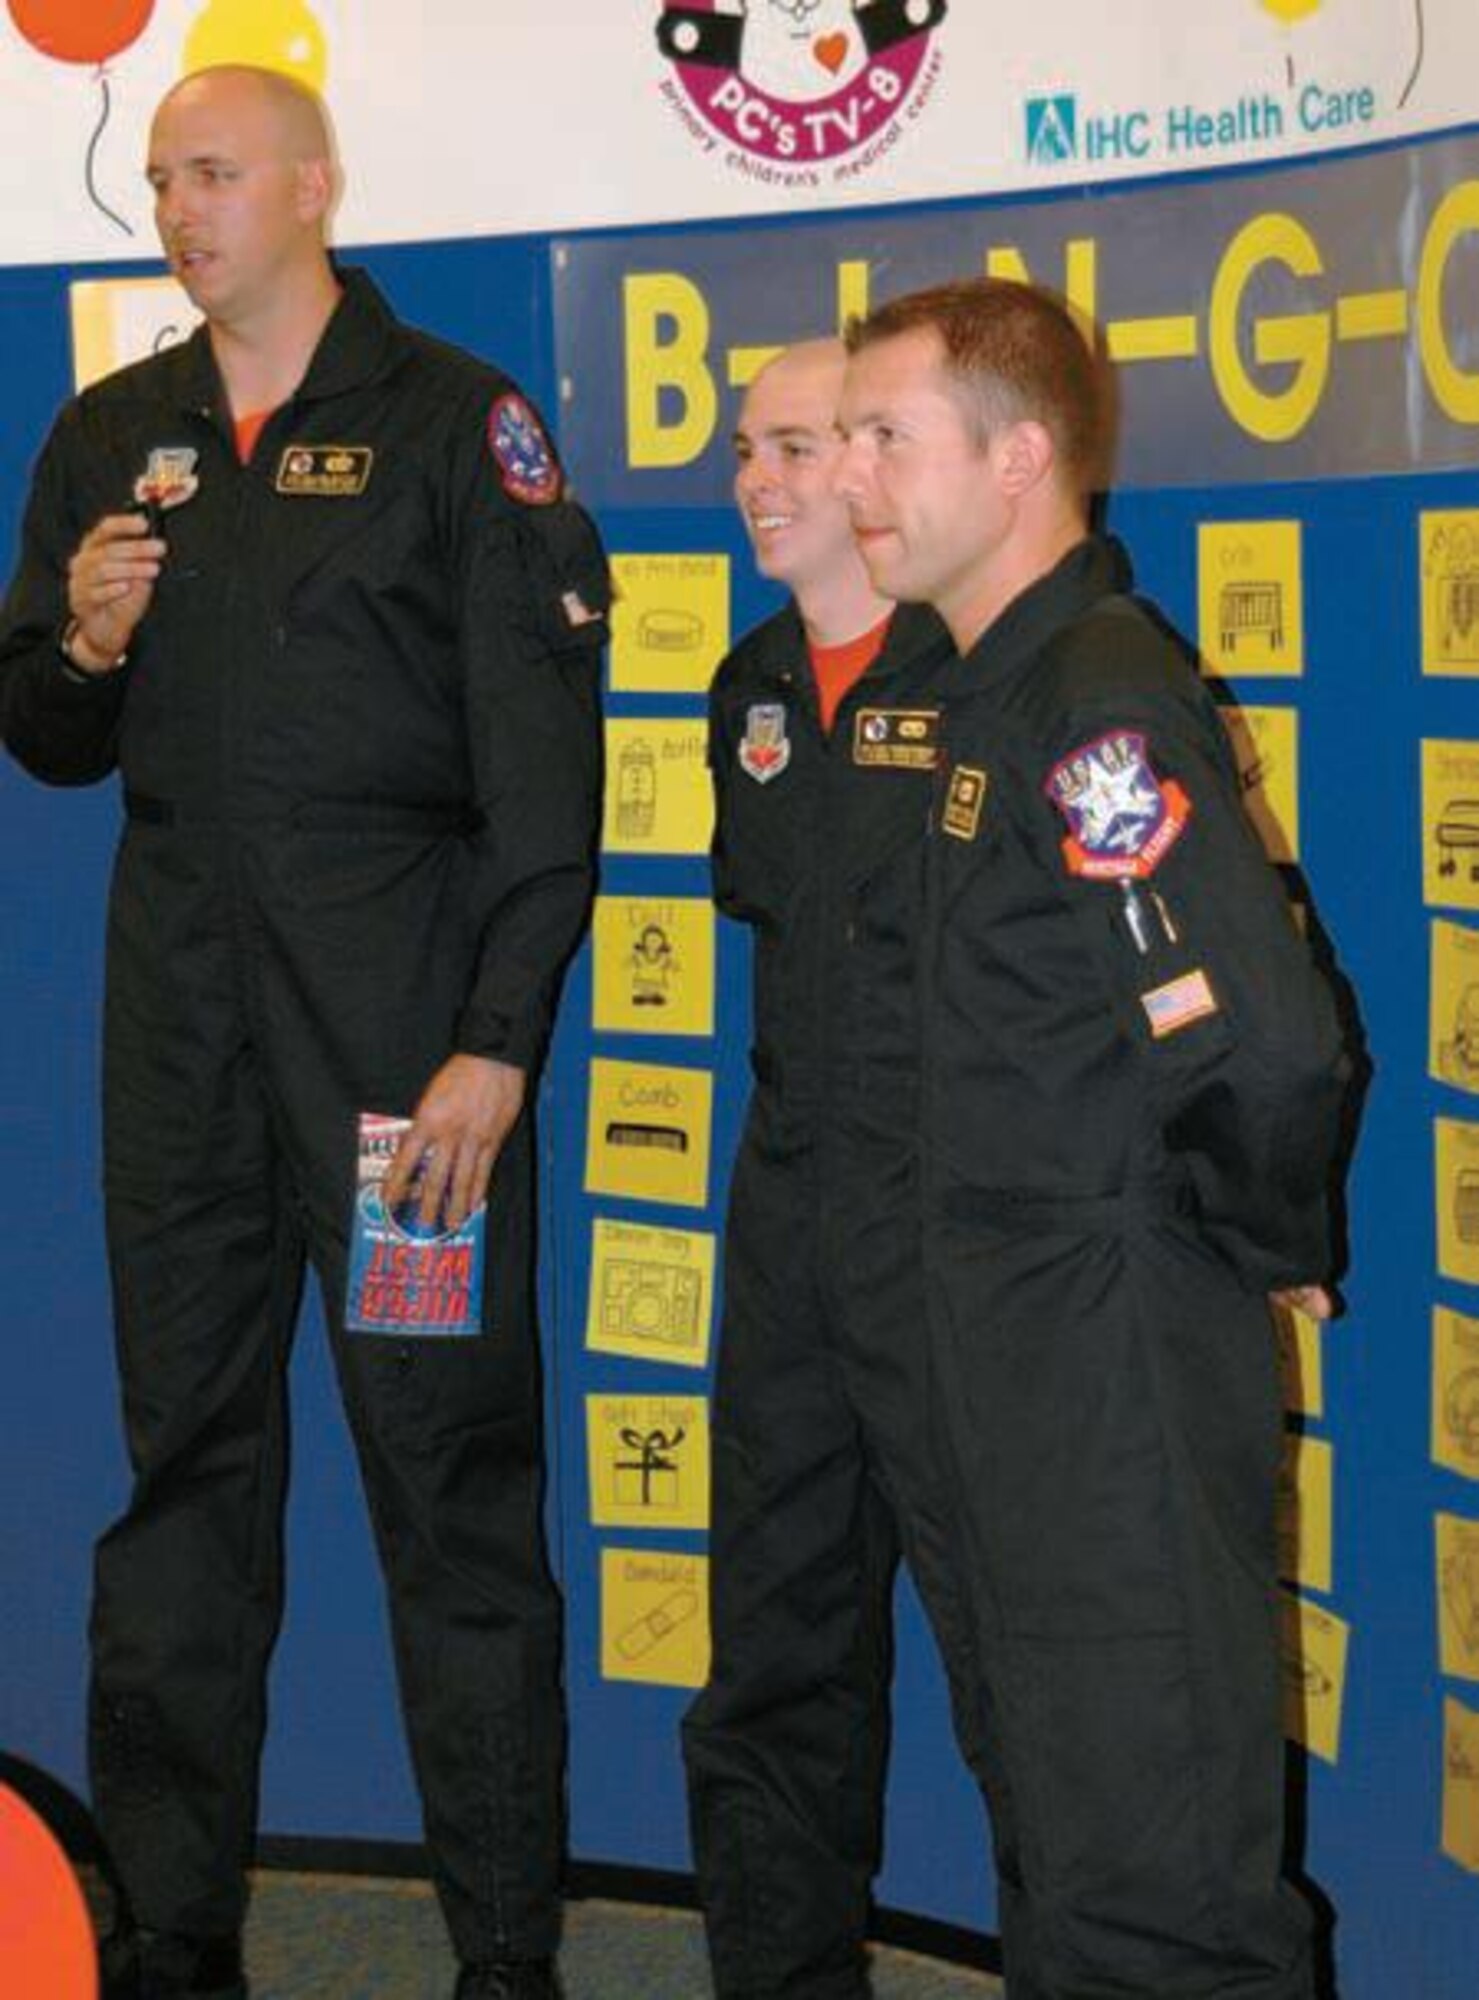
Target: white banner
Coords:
[(484, 117)]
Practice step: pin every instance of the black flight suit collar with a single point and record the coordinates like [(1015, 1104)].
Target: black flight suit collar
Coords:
[(362, 341), (1092, 568)]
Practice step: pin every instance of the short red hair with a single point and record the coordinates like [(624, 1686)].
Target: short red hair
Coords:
[(1012, 352)]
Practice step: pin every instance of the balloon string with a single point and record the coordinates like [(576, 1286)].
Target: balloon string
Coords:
[(92, 151), (1422, 38)]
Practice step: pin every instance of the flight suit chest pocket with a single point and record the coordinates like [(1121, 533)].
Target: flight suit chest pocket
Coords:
[(378, 543), (969, 835), (765, 827)]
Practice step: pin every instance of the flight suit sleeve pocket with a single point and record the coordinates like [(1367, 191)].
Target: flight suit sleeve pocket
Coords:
[(1181, 1010), (564, 586)]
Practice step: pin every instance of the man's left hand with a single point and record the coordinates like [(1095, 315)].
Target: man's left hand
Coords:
[(465, 1114), (1314, 1301)]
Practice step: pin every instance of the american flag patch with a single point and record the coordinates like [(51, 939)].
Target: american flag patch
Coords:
[(1178, 1004)]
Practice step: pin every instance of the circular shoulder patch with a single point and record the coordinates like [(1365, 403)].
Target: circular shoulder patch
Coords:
[(525, 457)]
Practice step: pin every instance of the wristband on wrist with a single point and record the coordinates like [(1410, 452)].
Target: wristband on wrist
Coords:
[(72, 666)]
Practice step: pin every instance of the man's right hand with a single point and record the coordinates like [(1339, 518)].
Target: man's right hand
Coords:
[(110, 583)]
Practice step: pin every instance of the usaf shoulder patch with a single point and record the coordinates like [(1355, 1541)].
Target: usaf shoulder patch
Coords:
[(897, 739), (765, 748), (523, 454), (961, 815), (1122, 819), (325, 471)]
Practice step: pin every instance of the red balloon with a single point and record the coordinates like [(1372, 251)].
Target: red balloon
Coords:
[(46, 1942), (80, 31)]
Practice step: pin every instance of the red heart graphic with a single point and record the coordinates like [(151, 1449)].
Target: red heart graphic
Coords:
[(830, 51)]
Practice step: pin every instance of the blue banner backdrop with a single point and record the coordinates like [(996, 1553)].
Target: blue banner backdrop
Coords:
[(1390, 390), (1313, 322)]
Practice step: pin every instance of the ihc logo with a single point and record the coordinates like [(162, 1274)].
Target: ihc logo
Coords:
[(1052, 130)]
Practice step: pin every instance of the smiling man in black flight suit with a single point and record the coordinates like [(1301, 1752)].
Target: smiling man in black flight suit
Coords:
[(823, 738), (310, 582)]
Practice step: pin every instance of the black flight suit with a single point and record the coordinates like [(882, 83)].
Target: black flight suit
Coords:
[(1132, 1093), (358, 737), (819, 848)]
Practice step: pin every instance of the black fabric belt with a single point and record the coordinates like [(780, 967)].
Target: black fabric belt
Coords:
[(312, 816), (1088, 1214), (860, 1076)]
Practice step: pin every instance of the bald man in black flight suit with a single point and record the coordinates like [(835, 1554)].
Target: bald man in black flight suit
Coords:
[(311, 584)]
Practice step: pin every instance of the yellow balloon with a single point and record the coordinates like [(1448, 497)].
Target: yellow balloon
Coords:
[(272, 34), (1292, 10)]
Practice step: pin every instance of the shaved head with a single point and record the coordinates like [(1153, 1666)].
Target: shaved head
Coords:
[(797, 391), (296, 114), (817, 364)]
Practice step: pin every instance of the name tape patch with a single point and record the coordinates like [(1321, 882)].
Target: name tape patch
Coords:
[(897, 739), (325, 471)]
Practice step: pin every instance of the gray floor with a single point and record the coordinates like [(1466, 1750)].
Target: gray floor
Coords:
[(327, 1937)]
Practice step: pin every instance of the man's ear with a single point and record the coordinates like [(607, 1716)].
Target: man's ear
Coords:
[(1025, 456), (315, 188)]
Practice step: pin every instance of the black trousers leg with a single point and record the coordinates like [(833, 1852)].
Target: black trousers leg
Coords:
[(1114, 1418), (448, 1435), (206, 1262), (785, 1748)]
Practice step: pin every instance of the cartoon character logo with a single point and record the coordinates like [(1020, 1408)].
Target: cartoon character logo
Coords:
[(801, 50), (799, 82)]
